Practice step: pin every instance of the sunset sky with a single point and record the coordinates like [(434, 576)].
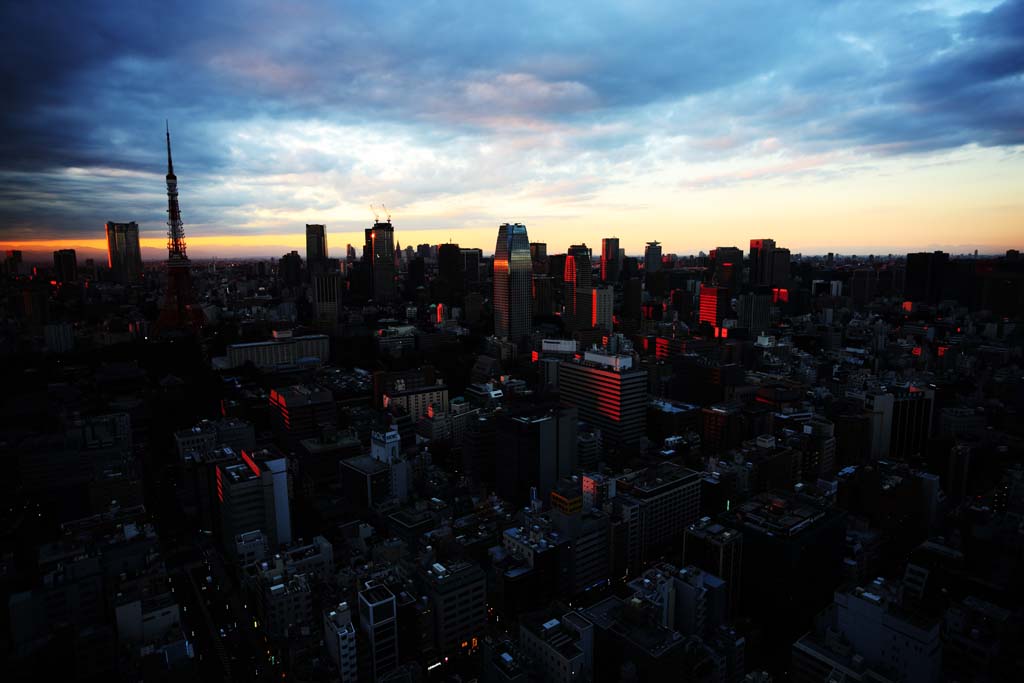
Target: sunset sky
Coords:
[(829, 126)]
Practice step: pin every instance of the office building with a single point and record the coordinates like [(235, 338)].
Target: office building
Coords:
[(471, 260), (536, 447), (379, 255), (543, 295), (289, 269), (512, 283), (253, 495), (327, 288), (316, 249), (577, 287), (669, 501), (728, 265), (378, 621), (868, 635), (458, 593), (611, 260), (629, 639), (282, 350), (652, 257), (797, 549), (602, 302), (609, 393), (301, 411), (340, 639), (123, 254), (451, 272), (559, 649), (65, 265), (925, 274), (753, 311), (759, 263), (719, 550), (715, 305)]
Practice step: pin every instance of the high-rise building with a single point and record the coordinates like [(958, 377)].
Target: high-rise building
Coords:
[(714, 305), (716, 549), (340, 639), (609, 393), (471, 259), (578, 288), (65, 265), (652, 257), (779, 262), (728, 264), (450, 272), (123, 254), (611, 260), (512, 282), (536, 447), (289, 269), (379, 623), (301, 411), (925, 273), (797, 549), (669, 500), (458, 593), (379, 253), (601, 307), (327, 289), (759, 274), (316, 249), (539, 257), (754, 311), (253, 493)]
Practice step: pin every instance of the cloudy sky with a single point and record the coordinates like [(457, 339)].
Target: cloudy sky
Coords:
[(830, 126)]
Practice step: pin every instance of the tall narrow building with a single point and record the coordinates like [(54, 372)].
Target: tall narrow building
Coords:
[(512, 269), (611, 260), (379, 253), (179, 311), (316, 249), (652, 257), (578, 287), (123, 254), (65, 265)]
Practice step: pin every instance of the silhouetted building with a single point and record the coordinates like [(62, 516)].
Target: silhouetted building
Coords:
[(65, 265), (379, 253), (611, 260), (652, 257), (123, 254), (925, 273), (316, 249)]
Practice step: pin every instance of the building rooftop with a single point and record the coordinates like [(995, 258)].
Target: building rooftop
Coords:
[(775, 515), (628, 621)]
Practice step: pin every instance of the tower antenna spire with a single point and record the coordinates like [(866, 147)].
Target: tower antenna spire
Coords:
[(170, 164)]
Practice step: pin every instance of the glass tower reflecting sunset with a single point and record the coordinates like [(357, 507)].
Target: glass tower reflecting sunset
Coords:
[(512, 282)]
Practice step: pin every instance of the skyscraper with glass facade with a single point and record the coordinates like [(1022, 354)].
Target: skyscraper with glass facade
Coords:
[(512, 268)]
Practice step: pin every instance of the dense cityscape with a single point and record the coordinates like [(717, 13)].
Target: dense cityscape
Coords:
[(445, 463), (532, 342)]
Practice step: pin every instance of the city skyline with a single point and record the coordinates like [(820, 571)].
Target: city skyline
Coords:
[(849, 128)]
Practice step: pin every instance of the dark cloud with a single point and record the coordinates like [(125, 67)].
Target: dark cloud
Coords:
[(88, 85)]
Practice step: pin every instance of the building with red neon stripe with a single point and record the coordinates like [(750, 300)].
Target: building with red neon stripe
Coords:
[(609, 393)]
